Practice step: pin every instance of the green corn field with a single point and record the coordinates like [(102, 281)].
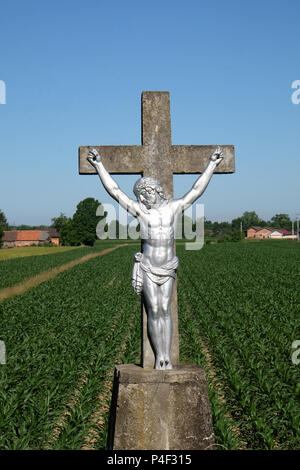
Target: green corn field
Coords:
[(239, 314)]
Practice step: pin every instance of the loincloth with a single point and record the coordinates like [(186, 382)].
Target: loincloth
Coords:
[(158, 275)]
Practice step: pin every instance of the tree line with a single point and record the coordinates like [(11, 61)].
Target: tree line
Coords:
[(80, 229), (237, 228)]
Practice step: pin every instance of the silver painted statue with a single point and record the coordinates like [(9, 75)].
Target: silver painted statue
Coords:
[(154, 270)]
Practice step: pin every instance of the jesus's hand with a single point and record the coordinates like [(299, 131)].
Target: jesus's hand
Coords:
[(217, 156), (93, 157), (138, 287)]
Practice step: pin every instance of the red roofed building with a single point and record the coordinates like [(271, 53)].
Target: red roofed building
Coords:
[(15, 238), (283, 234), (54, 236), (252, 231), (264, 232), (259, 232), (269, 232)]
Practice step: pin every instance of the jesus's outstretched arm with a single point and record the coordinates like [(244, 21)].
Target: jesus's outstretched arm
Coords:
[(110, 184), (201, 184)]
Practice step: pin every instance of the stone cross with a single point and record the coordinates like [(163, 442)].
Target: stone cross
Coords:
[(157, 157)]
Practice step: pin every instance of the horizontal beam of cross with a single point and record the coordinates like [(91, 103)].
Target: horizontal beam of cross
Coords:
[(131, 159)]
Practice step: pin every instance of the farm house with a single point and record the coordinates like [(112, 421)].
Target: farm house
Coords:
[(269, 232), (17, 238)]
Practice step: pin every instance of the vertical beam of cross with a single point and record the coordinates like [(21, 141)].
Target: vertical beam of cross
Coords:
[(156, 140)]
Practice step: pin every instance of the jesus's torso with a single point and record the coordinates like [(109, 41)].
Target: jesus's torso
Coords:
[(157, 232)]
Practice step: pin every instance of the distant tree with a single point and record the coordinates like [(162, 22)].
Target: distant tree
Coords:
[(60, 221), (236, 223), (3, 225), (68, 234), (207, 224), (223, 237), (224, 227), (264, 223), (217, 228), (232, 236), (281, 221), (28, 227), (85, 221), (64, 226), (237, 235), (3, 221), (81, 228), (248, 219)]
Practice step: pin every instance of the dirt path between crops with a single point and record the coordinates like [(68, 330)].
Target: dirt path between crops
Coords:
[(19, 289)]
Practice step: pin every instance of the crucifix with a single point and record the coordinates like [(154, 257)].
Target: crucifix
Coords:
[(156, 159)]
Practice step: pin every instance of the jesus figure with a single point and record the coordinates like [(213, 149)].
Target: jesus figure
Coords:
[(154, 269)]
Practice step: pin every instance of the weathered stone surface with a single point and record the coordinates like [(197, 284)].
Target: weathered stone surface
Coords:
[(123, 159), (157, 156), (193, 158), (160, 410)]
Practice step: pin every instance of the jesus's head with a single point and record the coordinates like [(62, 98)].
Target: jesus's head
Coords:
[(149, 192)]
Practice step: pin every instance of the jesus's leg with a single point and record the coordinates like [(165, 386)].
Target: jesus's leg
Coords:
[(155, 321), (165, 297)]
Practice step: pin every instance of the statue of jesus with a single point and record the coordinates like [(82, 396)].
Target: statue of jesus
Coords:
[(154, 269)]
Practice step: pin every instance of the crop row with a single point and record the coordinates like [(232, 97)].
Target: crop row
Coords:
[(243, 303), (62, 338), (16, 270)]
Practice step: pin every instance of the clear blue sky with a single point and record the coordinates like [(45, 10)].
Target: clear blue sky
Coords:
[(74, 72)]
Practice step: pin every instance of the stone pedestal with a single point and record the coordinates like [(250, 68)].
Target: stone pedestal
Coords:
[(160, 410)]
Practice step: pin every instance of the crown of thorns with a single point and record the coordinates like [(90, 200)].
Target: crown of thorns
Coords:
[(145, 182)]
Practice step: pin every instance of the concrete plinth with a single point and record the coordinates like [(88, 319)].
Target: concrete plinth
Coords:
[(160, 410)]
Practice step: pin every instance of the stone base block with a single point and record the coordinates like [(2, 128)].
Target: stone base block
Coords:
[(160, 410)]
